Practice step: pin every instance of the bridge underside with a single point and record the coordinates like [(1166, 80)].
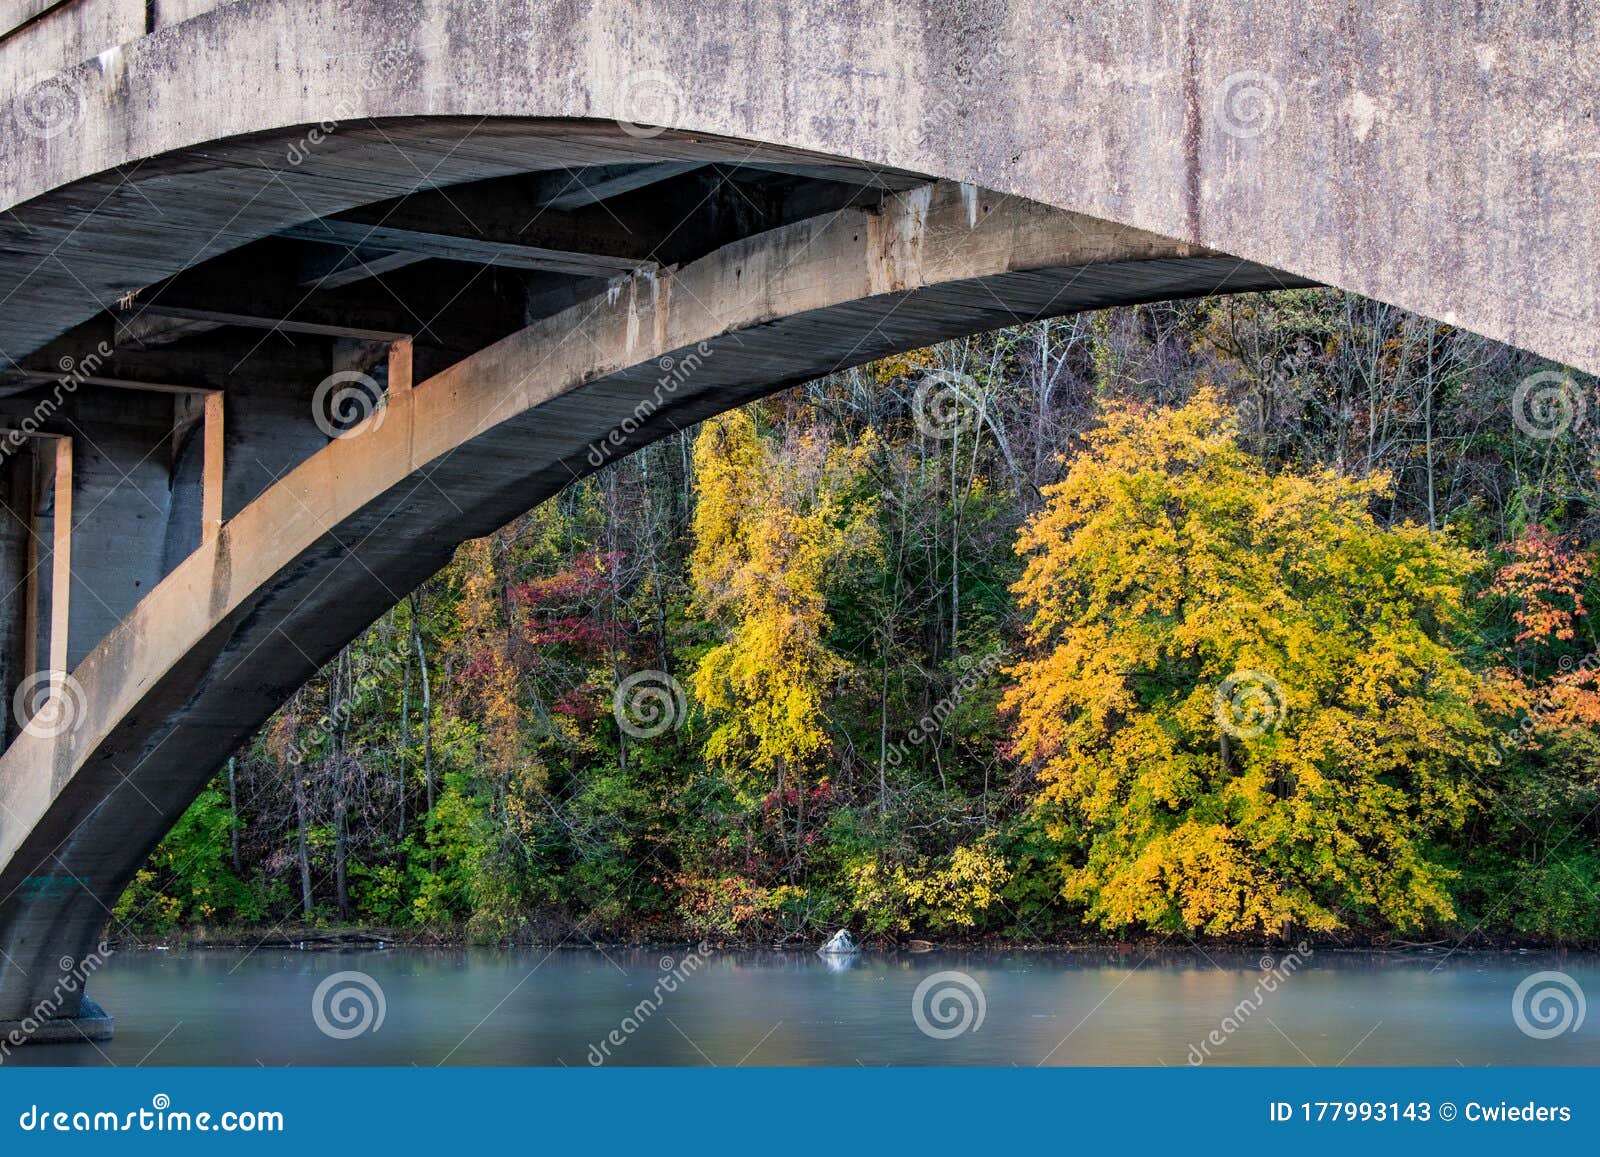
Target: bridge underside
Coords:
[(200, 277), (197, 518)]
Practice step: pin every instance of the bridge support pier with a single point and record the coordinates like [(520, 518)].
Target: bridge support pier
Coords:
[(48, 958), (92, 1023)]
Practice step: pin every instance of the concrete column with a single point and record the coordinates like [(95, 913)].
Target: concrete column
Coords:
[(211, 484), (16, 511), (61, 558), (48, 592)]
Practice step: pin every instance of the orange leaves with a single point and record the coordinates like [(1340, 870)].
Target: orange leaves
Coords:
[(1572, 699), (489, 686), (1544, 582)]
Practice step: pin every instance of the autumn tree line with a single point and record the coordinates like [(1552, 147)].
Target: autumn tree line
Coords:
[(1244, 617)]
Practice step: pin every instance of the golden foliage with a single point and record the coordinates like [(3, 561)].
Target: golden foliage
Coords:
[(1167, 570), (898, 899), (773, 525)]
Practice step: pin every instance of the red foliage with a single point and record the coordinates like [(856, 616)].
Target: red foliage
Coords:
[(1544, 581), (578, 703)]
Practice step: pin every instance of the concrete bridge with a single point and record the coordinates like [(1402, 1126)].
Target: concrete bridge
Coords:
[(297, 295)]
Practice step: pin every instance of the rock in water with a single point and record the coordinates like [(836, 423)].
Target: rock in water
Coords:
[(841, 944)]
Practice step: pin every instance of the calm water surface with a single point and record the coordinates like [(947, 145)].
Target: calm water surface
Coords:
[(536, 1007)]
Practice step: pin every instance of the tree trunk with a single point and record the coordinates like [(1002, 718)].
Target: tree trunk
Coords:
[(611, 584), (233, 809), (883, 734), (341, 858), (427, 715), (305, 854), (956, 499), (1427, 434), (405, 728), (339, 687)]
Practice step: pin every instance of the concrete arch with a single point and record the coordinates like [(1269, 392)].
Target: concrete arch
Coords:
[(207, 655)]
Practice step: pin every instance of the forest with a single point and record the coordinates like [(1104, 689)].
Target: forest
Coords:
[(1238, 618)]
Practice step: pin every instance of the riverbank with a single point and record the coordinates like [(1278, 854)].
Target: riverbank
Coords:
[(357, 937)]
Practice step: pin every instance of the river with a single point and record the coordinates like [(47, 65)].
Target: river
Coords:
[(678, 1007)]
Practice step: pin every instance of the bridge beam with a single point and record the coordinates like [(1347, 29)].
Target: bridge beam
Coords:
[(333, 267), (575, 188), (461, 246)]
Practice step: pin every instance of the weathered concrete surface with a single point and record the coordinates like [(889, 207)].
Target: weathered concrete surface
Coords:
[(122, 501), (92, 1023), (40, 37), (1436, 156), (203, 659)]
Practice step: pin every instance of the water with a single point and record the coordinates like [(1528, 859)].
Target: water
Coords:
[(539, 1007)]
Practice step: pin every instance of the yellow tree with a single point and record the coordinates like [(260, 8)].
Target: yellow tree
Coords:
[(488, 685), (1240, 690), (773, 524)]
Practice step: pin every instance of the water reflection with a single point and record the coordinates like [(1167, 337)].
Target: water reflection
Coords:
[(840, 962), (1086, 1007)]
